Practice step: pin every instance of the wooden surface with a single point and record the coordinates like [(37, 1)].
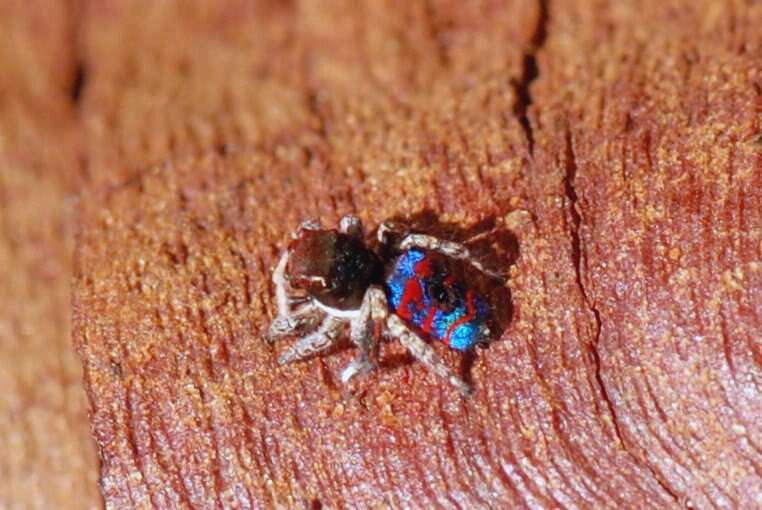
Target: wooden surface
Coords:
[(617, 143), (662, 158), (48, 456)]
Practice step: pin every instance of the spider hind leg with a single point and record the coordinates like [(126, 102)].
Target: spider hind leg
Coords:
[(425, 353), (451, 249)]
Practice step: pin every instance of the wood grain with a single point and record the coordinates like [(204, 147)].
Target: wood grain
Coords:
[(48, 457)]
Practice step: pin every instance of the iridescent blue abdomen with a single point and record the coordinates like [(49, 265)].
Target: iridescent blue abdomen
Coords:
[(423, 291)]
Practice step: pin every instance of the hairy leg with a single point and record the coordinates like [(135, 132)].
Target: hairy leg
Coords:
[(281, 285), (307, 225), (449, 248), (351, 225), (289, 320), (372, 311), (424, 353), (301, 320), (387, 229), (325, 337)]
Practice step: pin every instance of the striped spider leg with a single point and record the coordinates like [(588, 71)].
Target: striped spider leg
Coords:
[(451, 249)]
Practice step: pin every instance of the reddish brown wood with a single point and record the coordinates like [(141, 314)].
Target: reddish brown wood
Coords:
[(658, 148), (47, 455)]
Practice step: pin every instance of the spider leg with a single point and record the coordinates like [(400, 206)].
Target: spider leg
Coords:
[(290, 320), (351, 225), (449, 248), (307, 225), (302, 319), (281, 285), (325, 337), (387, 228), (425, 353), (373, 310)]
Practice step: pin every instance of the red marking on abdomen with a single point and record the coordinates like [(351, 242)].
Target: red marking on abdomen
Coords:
[(413, 293), (423, 268)]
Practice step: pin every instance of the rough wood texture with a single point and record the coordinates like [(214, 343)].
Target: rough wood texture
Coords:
[(47, 455), (625, 162), (662, 159)]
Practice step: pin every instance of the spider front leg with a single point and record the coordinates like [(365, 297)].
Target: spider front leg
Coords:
[(425, 353), (289, 321), (281, 285), (324, 338), (450, 248), (372, 311), (304, 319)]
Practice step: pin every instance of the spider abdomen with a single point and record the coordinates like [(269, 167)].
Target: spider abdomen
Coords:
[(423, 290)]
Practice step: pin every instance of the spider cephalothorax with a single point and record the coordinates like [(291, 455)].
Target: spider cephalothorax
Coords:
[(415, 290), (333, 267)]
